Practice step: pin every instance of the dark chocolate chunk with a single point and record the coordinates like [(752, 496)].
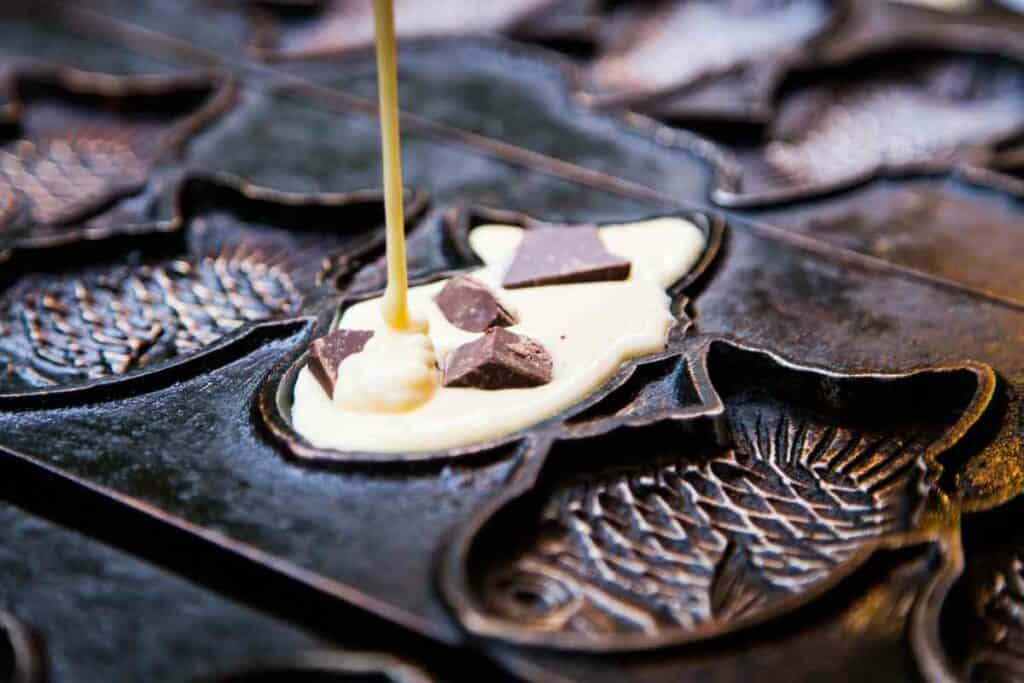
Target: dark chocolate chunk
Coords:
[(470, 305), (558, 256), (498, 360), (326, 354)]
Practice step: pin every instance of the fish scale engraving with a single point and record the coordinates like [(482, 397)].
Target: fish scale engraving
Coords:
[(111, 322), (57, 178), (677, 545), (912, 114), (998, 652), (891, 126), (673, 44)]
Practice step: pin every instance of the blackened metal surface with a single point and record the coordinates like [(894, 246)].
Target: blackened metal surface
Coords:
[(194, 451), (914, 272), (278, 139), (106, 615), (965, 235)]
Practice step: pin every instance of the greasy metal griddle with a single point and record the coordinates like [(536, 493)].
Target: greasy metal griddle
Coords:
[(818, 477)]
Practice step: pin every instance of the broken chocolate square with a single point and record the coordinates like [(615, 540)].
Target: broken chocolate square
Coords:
[(498, 360), (470, 305), (326, 354), (558, 256)]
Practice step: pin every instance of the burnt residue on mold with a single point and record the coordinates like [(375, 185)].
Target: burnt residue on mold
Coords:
[(787, 479)]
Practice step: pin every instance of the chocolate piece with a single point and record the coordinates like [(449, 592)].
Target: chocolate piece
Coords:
[(498, 360), (470, 305), (326, 354), (557, 256)]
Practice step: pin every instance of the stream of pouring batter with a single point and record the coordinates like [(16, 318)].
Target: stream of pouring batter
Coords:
[(395, 303)]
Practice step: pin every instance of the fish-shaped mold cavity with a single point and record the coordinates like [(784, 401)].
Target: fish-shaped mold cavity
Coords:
[(890, 113), (80, 142), (440, 248), (687, 528), (234, 257), (950, 24), (653, 52)]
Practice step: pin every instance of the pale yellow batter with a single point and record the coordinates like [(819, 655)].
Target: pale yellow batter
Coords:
[(388, 397)]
